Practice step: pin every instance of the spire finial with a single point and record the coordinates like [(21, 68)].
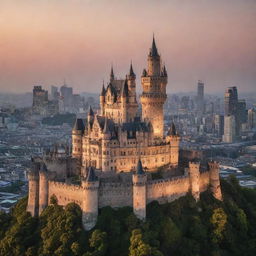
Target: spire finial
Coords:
[(153, 50), (131, 70), (139, 168), (112, 76)]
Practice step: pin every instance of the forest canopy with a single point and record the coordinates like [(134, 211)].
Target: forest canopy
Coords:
[(183, 227)]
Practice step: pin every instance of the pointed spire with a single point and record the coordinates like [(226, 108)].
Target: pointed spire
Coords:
[(153, 50), (144, 73), (79, 125), (164, 71), (112, 76), (131, 70), (103, 91), (172, 130), (139, 168), (91, 176), (43, 167), (90, 113)]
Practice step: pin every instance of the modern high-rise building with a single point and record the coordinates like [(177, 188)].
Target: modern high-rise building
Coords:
[(251, 118), (231, 101), (41, 103), (236, 108), (40, 100), (229, 129), (200, 96), (54, 92), (219, 125), (200, 90)]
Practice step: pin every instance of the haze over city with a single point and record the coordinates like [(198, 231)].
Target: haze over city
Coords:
[(45, 42)]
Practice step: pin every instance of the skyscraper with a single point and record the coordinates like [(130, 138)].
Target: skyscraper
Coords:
[(200, 96), (251, 118), (231, 101), (200, 90), (219, 125), (229, 129)]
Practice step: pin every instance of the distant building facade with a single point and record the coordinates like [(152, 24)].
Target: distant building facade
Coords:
[(229, 129), (41, 103), (252, 118)]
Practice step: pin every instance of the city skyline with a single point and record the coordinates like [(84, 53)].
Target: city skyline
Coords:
[(47, 42)]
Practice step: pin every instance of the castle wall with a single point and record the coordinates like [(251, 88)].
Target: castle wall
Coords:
[(167, 190), (115, 194), (124, 157), (204, 181), (65, 193)]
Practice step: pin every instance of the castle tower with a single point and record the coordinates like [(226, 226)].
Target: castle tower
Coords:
[(90, 115), (105, 148), (174, 139), (33, 184), (139, 192), (124, 102), (194, 174), (154, 82), (102, 99), (43, 188), (215, 180), (90, 202), (77, 134), (133, 105)]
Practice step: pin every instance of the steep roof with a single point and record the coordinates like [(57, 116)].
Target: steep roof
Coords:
[(91, 176), (79, 125), (131, 73), (90, 113), (172, 130), (153, 50), (125, 90), (103, 90), (139, 168)]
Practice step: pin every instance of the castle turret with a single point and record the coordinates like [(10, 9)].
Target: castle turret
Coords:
[(154, 92), (90, 115), (33, 192), (90, 202), (102, 99), (131, 77), (139, 192), (77, 134), (105, 147), (174, 139), (124, 102), (215, 179), (194, 175), (43, 188)]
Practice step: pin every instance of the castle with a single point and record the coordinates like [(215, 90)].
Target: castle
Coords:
[(116, 151)]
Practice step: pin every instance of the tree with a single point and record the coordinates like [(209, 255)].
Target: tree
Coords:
[(139, 248), (218, 221)]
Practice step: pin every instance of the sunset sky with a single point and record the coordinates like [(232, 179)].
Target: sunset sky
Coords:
[(43, 42)]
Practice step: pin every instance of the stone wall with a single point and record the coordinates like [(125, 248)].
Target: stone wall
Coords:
[(167, 190), (65, 193), (115, 194)]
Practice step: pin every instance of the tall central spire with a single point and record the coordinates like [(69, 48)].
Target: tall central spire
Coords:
[(112, 77), (153, 51)]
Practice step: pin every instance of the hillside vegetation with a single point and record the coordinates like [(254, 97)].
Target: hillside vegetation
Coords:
[(183, 227)]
